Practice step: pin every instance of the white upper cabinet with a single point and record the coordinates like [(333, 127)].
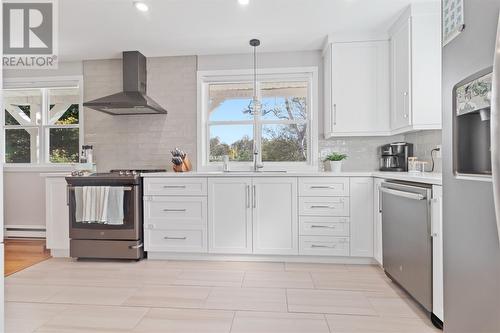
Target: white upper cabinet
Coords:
[(357, 88), (415, 41), (275, 218)]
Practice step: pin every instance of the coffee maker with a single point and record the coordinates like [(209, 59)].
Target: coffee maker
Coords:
[(394, 156)]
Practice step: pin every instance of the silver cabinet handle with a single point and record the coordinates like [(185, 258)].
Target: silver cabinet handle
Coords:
[(174, 186), (405, 114), (403, 194), (334, 114), (321, 187), (324, 226), (134, 247), (176, 238), (247, 196), (320, 206), (379, 199), (175, 210), (254, 197), (323, 246)]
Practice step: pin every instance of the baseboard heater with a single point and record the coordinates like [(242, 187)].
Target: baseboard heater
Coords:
[(25, 231)]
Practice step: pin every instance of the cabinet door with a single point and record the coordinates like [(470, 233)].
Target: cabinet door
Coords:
[(56, 214), (360, 88), (275, 226), (361, 217), (401, 76), (377, 226), (229, 215), (437, 252)]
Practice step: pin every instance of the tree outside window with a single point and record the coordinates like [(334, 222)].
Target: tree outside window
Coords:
[(42, 125)]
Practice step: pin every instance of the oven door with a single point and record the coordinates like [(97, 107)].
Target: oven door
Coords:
[(131, 229)]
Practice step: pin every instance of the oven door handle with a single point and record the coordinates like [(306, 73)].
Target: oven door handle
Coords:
[(134, 247), (125, 188)]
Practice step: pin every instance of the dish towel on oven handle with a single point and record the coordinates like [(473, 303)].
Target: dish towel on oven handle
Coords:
[(99, 204)]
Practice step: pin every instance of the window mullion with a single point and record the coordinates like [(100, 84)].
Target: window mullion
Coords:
[(42, 135)]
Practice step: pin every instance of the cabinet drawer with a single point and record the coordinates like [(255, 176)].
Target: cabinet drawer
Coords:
[(324, 186), (175, 240), (323, 226), (161, 211), (324, 206), (174, 186), (324, 245)]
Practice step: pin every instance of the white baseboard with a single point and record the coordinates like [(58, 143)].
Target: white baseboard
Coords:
[(295, 259), (24, 231)]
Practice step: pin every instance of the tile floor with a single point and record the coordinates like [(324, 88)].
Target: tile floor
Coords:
[(60, 295)]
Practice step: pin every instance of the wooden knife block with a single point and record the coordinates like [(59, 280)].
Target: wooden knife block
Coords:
[(186, 166)]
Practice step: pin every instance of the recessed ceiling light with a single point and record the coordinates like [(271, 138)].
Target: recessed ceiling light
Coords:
[(244, 2), (141, 6)]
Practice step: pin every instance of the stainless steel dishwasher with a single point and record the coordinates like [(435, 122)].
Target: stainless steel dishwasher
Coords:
[(406, 238)]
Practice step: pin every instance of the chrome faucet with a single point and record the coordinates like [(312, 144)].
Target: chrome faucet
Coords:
[(256, 165)]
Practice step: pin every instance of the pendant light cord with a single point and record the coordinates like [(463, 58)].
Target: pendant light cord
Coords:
[(255, 74)]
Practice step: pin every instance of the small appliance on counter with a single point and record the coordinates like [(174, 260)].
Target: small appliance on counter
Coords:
[(394, 156)]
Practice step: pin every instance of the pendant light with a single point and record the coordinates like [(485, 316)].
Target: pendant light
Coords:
[(256, 103)]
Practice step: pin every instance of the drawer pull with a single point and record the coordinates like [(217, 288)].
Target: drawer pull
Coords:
[(174, 210), (322, 187), (175, 238), (324, 226), (321, 206), (314, 246), (174, 186)]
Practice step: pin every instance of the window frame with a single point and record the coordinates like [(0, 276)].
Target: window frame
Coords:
[(44, 84), (302, 74)]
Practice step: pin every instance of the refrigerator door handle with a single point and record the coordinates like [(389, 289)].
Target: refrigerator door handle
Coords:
[(495, 129)]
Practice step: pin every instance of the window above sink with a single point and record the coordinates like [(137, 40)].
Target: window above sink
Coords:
[(284, 132)]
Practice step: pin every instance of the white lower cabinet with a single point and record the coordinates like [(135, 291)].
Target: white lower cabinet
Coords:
[(324, 245), (261, 215), (230, 215), (252, 215), (57, 216), (275, 227), (361, 216), (377, 221), (175, 219)]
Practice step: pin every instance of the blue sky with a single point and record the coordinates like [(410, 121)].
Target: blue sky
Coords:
[(232, 109)]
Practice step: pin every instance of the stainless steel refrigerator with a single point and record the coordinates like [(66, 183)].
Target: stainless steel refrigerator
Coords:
[(471, 151)]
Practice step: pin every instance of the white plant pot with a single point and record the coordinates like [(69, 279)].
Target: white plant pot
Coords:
[(334, 166)]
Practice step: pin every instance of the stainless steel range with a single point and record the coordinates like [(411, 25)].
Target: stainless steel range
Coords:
[(105, 215)]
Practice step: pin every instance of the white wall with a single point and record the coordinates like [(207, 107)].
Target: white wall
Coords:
[(64, 69), (24, 198)]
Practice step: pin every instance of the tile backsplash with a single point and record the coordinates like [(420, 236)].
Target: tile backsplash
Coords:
[(423, 143), (363, 152)]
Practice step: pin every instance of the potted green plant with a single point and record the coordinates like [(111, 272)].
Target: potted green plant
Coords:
[(333, 161)]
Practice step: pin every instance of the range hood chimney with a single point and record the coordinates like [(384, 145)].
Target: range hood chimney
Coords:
[(133, 100)]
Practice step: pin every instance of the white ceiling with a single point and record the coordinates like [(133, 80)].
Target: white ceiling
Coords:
[(98, 29)]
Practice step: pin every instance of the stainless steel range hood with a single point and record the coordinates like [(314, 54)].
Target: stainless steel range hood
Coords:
[(133, 100)]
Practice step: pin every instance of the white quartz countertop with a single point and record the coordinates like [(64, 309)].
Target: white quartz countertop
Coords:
[(426, 178), (433, 178)]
